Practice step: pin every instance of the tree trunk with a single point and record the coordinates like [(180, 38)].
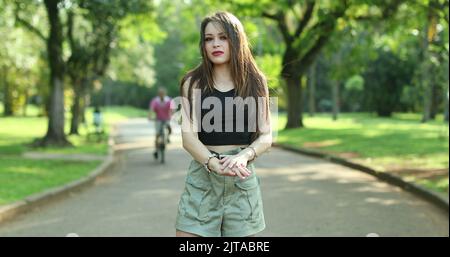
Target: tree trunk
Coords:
[(83, 109), (295, 103), (85, 83), (25, 104), (425, 69), (446, 103), (85, 104), (76, 108), (312, 90), (7, 101), (55, 131), (335, 92), (434, 101), (294, 68), (427, 96), (7, 96)]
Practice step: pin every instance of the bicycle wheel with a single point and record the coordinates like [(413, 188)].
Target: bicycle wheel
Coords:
[(162, 146), (162, 154)]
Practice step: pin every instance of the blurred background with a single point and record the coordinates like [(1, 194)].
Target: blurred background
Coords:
[(365, 80)]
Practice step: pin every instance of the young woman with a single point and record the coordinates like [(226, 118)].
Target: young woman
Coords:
[(222, 196)]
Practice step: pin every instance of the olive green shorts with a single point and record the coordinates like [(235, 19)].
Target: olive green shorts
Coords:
[(215, 205)]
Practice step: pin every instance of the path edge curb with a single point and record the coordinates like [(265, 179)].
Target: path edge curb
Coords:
[(12, 210), (417, 190)]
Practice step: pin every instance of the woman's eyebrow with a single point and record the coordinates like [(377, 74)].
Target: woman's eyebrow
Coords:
[(209, 34)]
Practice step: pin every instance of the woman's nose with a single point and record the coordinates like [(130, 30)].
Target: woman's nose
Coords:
[(216, 43)]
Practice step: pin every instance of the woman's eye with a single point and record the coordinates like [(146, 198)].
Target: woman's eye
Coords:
[(223, 37), (208, 39)]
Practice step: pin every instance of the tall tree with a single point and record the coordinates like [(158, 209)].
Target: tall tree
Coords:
[(92, 44), (306, 27), (432, 47), (54, 40), (55, 130)]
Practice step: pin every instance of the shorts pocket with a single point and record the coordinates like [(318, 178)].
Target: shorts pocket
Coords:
[(196, 199), (250, 198)]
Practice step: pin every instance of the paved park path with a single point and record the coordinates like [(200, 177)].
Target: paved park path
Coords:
[(302, 196)]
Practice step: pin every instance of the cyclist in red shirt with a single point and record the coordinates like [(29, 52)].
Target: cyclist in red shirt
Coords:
[(162, 105)]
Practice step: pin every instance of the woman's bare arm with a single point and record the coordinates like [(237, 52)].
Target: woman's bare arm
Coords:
[(264, 141), (260, 145)]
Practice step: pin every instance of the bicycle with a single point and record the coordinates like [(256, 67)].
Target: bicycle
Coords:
[(162, 142)]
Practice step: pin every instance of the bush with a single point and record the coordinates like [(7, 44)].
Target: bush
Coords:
[(384, 81)]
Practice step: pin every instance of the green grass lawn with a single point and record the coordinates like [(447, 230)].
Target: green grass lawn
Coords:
[(17, 132), (21, 177), (401, 144)]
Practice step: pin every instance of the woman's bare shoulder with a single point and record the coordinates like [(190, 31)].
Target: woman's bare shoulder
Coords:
[(187, 83)]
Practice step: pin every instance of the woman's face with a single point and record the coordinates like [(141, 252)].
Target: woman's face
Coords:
[(216, 44)]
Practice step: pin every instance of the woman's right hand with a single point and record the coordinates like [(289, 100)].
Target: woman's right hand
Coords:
[(216, 166)]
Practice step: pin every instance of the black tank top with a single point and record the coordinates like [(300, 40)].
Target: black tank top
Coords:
[(224, 136)]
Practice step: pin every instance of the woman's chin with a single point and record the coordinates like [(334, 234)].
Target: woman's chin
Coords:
[(219, 62)]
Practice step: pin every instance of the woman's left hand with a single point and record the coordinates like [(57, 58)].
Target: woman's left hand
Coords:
[(236, 163)]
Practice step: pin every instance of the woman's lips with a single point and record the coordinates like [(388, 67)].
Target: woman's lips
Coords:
[(217, 53)]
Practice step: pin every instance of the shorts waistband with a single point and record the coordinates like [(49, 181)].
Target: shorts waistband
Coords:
[(228, 152)]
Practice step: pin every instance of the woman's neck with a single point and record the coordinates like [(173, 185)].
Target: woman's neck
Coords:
[(222, 76)]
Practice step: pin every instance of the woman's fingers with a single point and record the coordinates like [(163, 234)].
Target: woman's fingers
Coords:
[(228, 164), (246, 172), (238, 172), (244, 167), (231, 163), (225, 162), (225, 171), (228, 172), (223, 159), (233, 167)]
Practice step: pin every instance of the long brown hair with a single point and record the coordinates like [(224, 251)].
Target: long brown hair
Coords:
[(247, 78)]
